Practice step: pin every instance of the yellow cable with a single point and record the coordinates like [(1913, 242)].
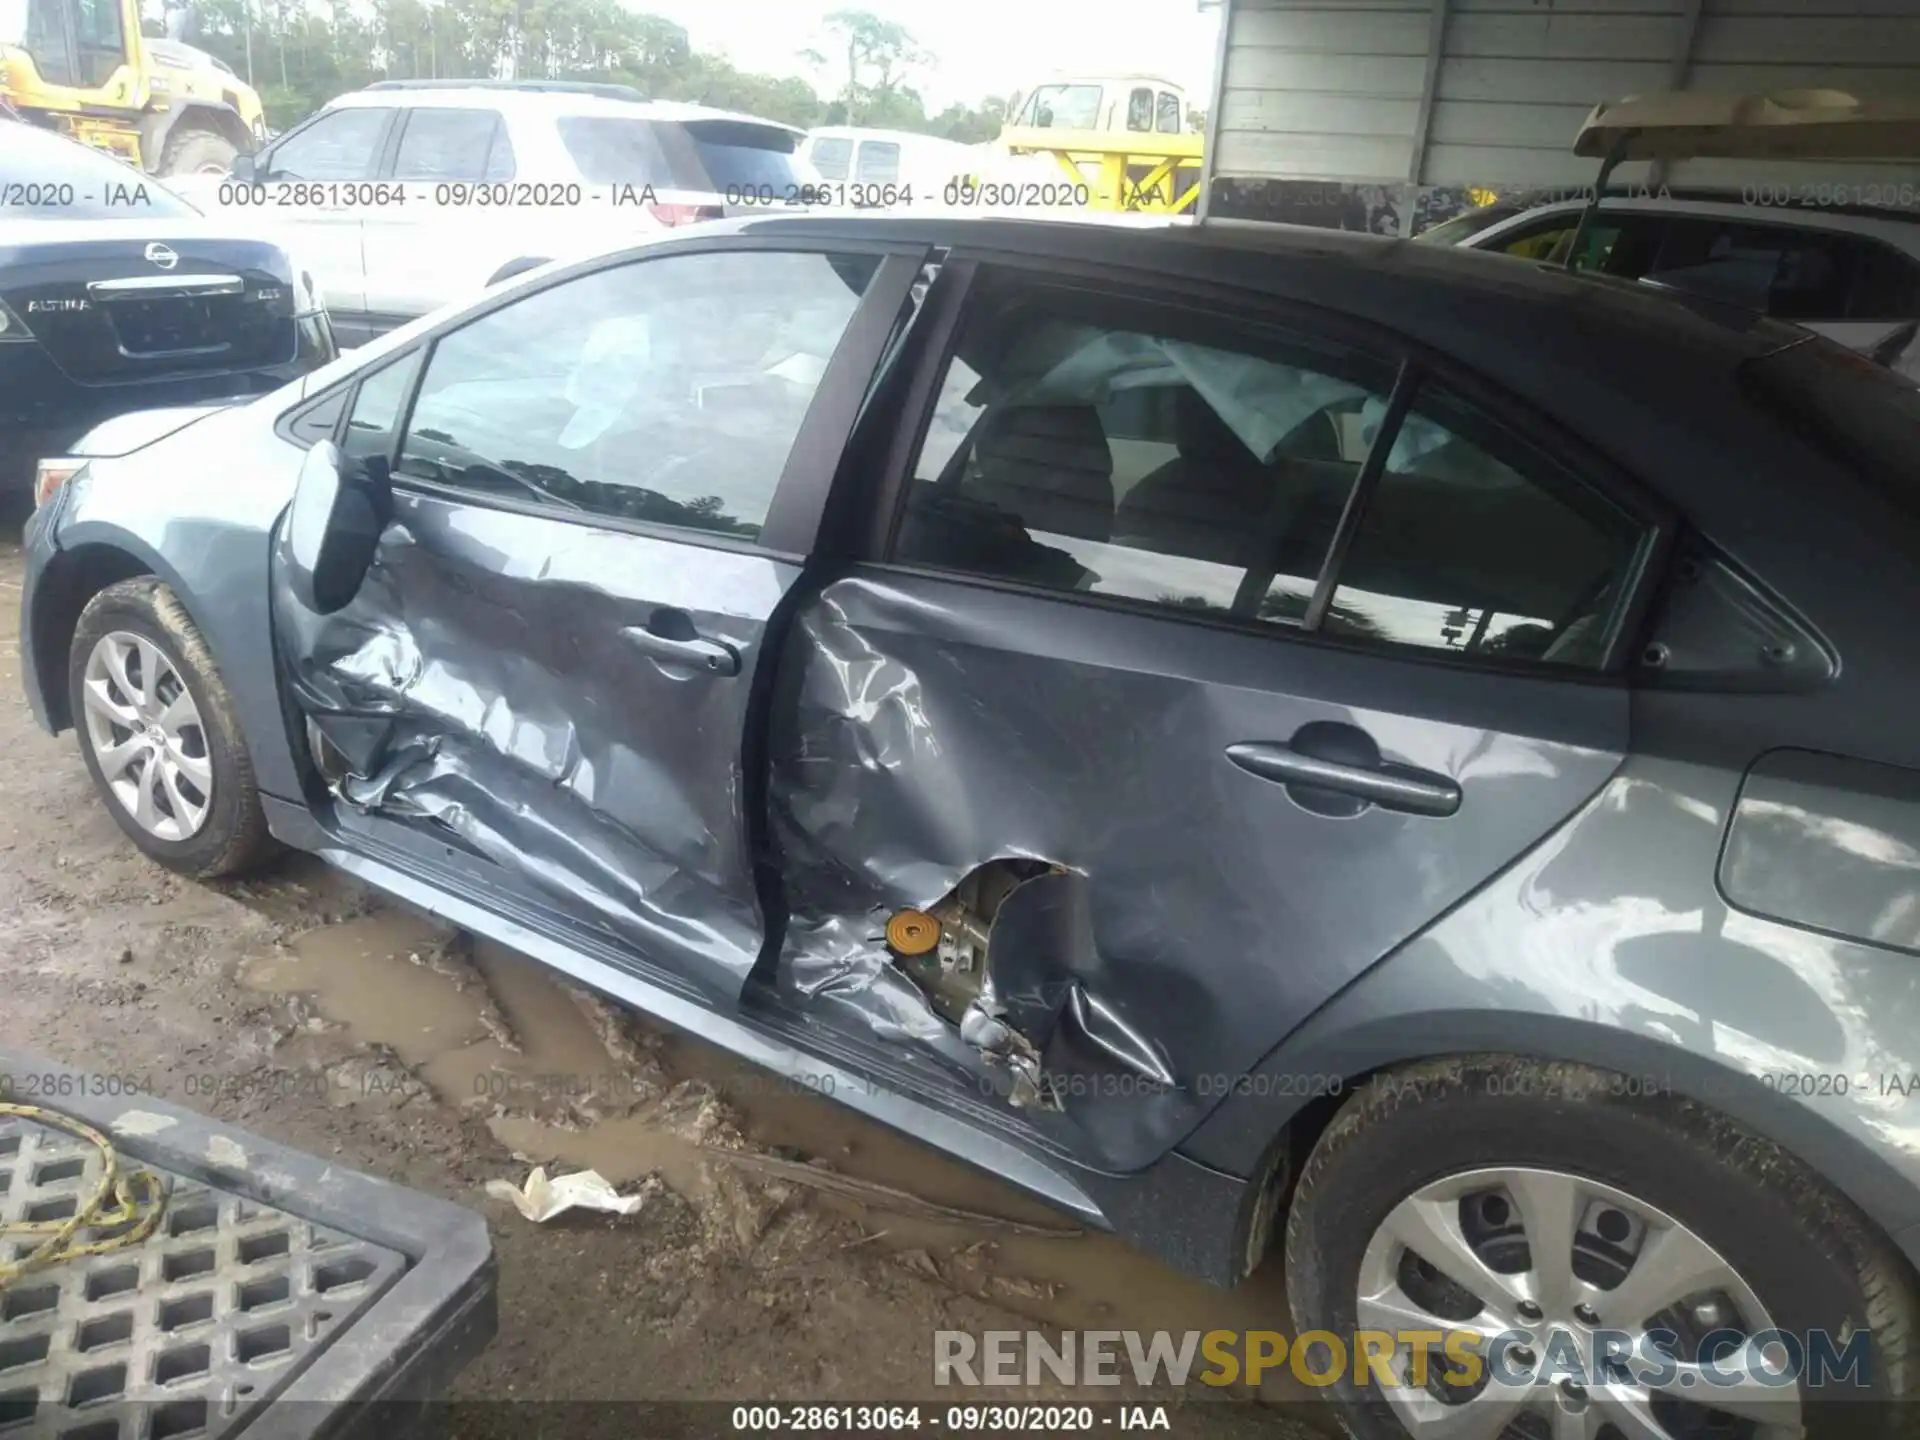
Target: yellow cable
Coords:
[(128, 1194)]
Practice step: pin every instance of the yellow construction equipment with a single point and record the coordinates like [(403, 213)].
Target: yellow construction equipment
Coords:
[(1117, 142), (82, 67), (1122, 170)]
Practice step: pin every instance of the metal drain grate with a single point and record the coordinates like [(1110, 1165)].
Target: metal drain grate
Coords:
[(181, 1337)]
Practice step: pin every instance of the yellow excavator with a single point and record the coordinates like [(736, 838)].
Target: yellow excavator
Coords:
[(82, 67)]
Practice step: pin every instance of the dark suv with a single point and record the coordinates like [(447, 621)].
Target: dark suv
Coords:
[(117, 295)]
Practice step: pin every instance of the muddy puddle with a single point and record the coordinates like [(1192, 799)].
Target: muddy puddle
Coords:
[(393, 1010)]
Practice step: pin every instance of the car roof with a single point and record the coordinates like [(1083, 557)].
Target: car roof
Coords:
[(1401, 284), (548, 102), (1108, 77), (864, 132)]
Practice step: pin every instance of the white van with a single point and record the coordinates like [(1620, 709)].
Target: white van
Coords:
[(857, 156)]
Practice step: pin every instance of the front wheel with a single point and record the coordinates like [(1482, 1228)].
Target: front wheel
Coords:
[(159, 735), (198, 152), (1547, 1217)]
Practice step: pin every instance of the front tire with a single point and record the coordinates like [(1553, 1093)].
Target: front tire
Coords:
[(197, 152), (1497, 1194), (159, 734)]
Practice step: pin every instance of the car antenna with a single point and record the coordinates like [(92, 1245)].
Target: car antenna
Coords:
[(1607, 166)]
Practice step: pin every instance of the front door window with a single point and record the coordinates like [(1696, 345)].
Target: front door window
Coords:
[(665, 391)]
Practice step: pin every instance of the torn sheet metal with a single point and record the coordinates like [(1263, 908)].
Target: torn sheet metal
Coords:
[(1193, 914), (480, 687)]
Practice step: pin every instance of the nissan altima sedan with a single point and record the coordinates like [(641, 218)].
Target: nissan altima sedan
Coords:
[(116, 295), (1261, 739)]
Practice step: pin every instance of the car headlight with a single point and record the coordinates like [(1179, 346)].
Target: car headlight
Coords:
[(12, 327)]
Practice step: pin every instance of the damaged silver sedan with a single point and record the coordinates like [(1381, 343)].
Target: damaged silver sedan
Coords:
[(1256, 738)]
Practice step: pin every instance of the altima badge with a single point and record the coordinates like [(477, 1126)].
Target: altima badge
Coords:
[(162, 255)]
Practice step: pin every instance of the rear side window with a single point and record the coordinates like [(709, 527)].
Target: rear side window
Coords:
[(1461, 550), (1789, 272), (879, 163), (831, 158), (1613, 245), (1792, 273), (1140, 110), (1182, 464), (613, 151), (1146, 462)]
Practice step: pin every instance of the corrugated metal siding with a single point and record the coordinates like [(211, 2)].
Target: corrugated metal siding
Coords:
[(1295, 71), (1331, 89)]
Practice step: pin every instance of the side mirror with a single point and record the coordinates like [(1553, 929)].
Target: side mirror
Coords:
[(242, 169), (332, 531)]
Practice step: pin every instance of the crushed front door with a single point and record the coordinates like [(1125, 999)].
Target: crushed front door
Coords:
[(600, 489)]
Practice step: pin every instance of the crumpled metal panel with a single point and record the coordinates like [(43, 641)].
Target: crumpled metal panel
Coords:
[(479, 685), (927, 727)]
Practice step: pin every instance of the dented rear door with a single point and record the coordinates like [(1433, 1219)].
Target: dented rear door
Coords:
[(602, 491), (1200, 661)]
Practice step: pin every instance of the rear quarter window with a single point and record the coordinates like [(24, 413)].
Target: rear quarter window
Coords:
[(738, 153)]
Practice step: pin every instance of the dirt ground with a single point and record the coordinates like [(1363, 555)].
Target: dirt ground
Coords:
[(302, 1006)]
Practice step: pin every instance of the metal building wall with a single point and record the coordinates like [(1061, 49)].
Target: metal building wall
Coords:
[(1405, 95)]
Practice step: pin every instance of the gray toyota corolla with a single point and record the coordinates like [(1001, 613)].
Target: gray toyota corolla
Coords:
[(1258, 738)]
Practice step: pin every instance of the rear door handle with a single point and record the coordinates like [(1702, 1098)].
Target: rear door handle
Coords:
[(688, 652), (1308, 777)]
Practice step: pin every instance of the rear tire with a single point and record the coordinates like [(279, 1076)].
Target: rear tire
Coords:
[(197, 152), (1803, 1253), (204, 819)]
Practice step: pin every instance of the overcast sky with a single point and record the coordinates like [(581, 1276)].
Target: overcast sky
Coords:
[(982, 47)]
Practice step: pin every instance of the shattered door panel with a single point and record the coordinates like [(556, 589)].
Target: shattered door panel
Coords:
[(1178, 915), (480, 687)]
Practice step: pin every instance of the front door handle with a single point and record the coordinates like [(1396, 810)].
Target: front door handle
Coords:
[(669, 640), (1344, 787)]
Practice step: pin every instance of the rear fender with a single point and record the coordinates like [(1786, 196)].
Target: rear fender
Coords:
[(1611, 946)]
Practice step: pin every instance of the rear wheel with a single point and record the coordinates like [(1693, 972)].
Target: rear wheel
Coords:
[(1555, 1207), (158, 732), (197, 152)]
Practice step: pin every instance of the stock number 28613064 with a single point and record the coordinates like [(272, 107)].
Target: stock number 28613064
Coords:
[(833, 194)]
